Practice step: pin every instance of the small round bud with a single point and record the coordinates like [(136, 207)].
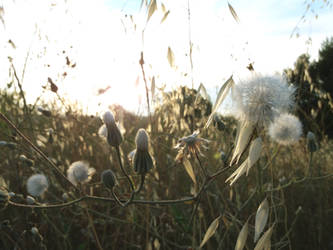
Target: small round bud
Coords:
[(34, 231), (37, 184), (109, 179), (108, 117), (312, 142), (65, 196), (30, 200)]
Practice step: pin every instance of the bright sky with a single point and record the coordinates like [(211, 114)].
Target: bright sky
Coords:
[(104, 40)]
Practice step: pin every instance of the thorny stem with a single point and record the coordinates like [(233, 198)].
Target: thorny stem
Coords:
[(3, 117)]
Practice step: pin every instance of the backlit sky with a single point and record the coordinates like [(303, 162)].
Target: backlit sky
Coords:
[(104, 40)]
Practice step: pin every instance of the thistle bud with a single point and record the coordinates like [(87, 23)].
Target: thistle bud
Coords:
[(30, 200), (312, 142), (141, 140), (114, 136), (109, 179), (142, 160)]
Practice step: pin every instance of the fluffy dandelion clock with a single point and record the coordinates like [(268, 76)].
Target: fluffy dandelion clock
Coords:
[(286, 129), (80, 172), (37, 184), (142, 160), (259, 99)]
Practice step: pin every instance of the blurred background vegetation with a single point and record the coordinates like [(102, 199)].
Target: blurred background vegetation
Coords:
[(304, 209), (301, 208)]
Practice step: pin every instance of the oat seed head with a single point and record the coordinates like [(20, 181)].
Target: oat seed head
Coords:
[(37, 184), (286, 129)]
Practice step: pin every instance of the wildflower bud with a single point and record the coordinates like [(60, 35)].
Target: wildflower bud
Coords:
[(312, 142), (34, 231), (65, 196), (30, 200), (26, 161), (114, 136), (142, 160), (223, 157), (109, 179), (11, 194), (141, 140)]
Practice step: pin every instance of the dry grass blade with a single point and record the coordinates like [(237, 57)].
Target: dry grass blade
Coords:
[(152, 88), (233, 13), (3, 184), (254, 153), (261, 219), (210, 231), (189, 169), (151, 9), (238, 172), (165, 16), (220, 97), (242, 236), (171, 57), (203, 92), (244, 132), (265, 241)]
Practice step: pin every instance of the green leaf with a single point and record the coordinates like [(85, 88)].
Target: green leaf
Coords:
[(165, 16), (189, 169), (171, 57), (219, 99), (233, 13), (210, 231), (151, 9)]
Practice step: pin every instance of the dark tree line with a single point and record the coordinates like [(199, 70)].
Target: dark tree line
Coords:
[(314, 82)]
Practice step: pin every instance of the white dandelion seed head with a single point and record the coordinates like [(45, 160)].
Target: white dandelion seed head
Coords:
[(259, 99), (108, 118), (141, 140), (80, 172), (37, 184), (286, 129)]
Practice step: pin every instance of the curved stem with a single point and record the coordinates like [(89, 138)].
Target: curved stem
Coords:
[(123, 170)]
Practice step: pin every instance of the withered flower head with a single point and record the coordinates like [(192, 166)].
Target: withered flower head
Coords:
[(190, 145)]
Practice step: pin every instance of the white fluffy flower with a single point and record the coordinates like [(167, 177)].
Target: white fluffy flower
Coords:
[(79, 172), (260, 98), (286, 129), (37, 184)]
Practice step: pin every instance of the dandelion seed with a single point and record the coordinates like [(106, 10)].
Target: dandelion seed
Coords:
[(142, 160), (286, 129), (80, 172), (259, 99), (37, 184)]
